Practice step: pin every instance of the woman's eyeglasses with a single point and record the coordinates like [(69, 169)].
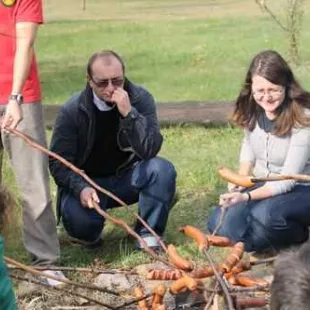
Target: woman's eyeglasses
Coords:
[(259, 94), (116, 82)]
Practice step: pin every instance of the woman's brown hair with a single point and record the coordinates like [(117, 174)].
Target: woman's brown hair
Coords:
[(6, 205), (271, 66)]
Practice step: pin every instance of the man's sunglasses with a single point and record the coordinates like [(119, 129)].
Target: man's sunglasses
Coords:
[(116, 82)]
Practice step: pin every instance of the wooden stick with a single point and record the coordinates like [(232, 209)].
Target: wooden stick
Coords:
[(221, 282), (128, 303), (262, 261), (211, 298), (296, 177), (74, 308), (41, 274), (220, 222), (245, 303), (80, 172), (130, 231), (79, 269), (250, 289), (248, 181), (62, 290)]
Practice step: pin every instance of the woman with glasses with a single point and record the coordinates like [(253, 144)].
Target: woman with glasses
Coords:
[(273, 110)]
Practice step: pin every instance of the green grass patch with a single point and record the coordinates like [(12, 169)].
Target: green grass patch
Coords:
[(196, 152), (191, 59), (179, 50)]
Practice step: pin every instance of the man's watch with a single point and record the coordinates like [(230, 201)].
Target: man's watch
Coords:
[(17, 97)]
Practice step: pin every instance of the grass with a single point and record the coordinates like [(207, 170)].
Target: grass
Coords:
[(191, 56), (179, 50), (196, 152)]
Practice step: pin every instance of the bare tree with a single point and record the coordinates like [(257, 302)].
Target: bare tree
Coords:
[(294, 17)]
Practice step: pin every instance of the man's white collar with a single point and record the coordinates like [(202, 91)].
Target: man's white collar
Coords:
[(100, 104)]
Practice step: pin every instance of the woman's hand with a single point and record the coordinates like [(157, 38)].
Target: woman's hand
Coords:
[(234, 188), (230, 199)]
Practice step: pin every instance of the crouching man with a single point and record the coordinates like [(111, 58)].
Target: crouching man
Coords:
[(110, 130)]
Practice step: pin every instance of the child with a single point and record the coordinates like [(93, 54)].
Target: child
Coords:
[(290, 288), (7, 297)]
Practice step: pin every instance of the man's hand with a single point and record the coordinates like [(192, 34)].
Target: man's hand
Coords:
[(88, 196), (230, 199), (12, 116), (121, 98)]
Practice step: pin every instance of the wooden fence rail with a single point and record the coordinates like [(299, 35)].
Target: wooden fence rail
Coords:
[(173, 113)]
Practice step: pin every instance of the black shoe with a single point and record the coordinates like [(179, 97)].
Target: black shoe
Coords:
[(87, 245), (158, 250)]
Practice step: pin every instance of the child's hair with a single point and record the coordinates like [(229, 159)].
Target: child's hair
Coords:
[(290, 288), (6, 204)]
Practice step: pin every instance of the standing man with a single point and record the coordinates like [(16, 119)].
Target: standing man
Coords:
[(110, 130), (20, 105)]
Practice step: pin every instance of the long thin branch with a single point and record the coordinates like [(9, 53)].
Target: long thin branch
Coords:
[(80, 269), (264, 7), (296, 177), (210, 300), (131, 232), (250, 289), (274, 17), (262, 261), (80, 172), (20, 278), (220, 222), (245, 303), (74, 308), (239, 289), (128, 303), (33, 271), (221, 282)]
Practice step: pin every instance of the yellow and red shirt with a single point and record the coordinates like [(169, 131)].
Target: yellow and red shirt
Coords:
[(12, 12)]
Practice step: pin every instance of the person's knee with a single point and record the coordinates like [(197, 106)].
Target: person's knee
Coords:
[(155, 171), (83, 228), (163, 168)]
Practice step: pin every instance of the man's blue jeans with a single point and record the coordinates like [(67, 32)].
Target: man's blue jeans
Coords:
[(151, 183), (273, 223)]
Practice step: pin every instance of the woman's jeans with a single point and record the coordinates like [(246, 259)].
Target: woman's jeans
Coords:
[(151, 183), (268, 224)]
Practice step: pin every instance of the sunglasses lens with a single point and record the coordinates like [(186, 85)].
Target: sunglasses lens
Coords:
[(117, 82), (103, 83)]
